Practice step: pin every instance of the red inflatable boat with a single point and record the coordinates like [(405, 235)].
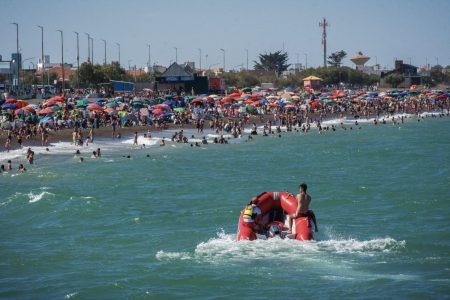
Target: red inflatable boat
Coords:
[(274, 207)]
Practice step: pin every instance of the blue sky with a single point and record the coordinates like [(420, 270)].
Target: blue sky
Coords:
[(387, 29)]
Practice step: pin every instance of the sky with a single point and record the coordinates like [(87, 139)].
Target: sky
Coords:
[(412, 30)]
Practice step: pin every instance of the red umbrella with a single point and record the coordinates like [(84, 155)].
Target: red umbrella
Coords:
[(30, 109), (94, 106), (46, 111), (157, 111), (10, 100), (160, 106), (19, 112)]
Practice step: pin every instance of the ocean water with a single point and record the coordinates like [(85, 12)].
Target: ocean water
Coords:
[(162, 223)]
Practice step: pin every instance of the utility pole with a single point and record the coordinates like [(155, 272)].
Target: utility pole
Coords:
[(206, 60), (17, 53), (92, 49), (149, 59), (42, 55), (78, 61), (176, 54), (200, 58), (306, 60), (223, 50), (89, 47), (118, 45), (324, 24), (246, 50), (62, 60), (104, 62)]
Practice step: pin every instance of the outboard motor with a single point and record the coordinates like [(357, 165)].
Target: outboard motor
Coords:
[(275, 229)]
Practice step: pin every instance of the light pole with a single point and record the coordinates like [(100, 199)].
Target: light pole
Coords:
[(118, 46), (23, 62), (42, 54), (34, 70), (78, 61), (200, 58), (89, 47), (298, 61), (92, 50), (246, 50), (176, 54), (206, 59), (306, 60), (18, 60), (149, 58), (62, 60), (130, 60), (104, 62), (437, 61), (223, 50)]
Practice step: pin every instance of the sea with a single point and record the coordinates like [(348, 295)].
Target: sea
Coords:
[(160, 222)]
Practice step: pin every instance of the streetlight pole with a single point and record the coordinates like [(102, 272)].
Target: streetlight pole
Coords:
[(223, 50), (246, 50), (62, 60), (92, 49), (200, 58), (306, 60), (18, 60), (104, 41), (78, 61), (118, 45), (42, 55), (176, 54), (206, 59), (130, 60), (149, 58), (89, 47)]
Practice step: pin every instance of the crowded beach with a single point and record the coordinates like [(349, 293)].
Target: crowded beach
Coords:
[(79, 119)]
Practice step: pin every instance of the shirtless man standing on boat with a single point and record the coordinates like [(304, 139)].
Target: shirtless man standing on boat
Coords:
[(303, 201)]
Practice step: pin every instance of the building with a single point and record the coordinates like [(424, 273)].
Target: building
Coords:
[(178, 78), (312, 82), (409, 72)]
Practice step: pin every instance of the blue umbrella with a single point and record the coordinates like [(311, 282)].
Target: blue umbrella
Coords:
[(9, 106)]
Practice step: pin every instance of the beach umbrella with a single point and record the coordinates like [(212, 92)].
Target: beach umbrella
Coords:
[(161, 106), (21, 103), (94, 106), (157, 111), (19, 112), (30, 109), (111, 104), (46, 111), (247, 90), (138, 104), (179, 109), (9, 106), (10, 100)]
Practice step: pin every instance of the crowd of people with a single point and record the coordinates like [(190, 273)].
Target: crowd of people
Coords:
[(227, 114)]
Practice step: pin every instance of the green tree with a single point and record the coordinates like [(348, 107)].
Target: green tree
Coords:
[(394, 79), (437, 74), (336, 58), (276, 61)]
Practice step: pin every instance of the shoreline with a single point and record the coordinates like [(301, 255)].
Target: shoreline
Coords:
[(103, 134)]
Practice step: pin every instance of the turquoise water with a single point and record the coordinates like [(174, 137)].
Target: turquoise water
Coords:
[(164, 226)]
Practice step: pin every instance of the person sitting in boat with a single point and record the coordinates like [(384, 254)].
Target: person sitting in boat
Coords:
[(252, 217), (303, 201)]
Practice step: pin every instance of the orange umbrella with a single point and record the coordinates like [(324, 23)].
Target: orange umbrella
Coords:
[(94, 106), (46, 111)]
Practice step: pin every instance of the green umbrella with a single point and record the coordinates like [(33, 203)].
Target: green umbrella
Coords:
[(179, 109), (138, 104), (250, 108), (111, 104), (247, 89)]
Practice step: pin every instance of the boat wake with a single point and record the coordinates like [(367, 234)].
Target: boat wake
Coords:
[(225, 247)]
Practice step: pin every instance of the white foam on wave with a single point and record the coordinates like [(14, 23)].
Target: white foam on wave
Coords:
[(37, 197), (225, 247)]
